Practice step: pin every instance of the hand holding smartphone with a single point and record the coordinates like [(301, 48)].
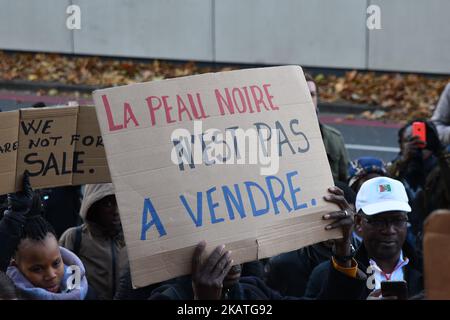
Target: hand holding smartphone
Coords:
[(419, 129), (397, 289)]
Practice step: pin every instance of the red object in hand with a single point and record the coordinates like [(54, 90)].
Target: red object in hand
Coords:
[(419, 129)]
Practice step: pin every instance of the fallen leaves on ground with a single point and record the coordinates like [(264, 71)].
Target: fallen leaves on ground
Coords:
[(93, 71), (397, 96), (400, 97)]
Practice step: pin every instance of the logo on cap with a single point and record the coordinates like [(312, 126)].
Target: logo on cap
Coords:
[(384, 188)]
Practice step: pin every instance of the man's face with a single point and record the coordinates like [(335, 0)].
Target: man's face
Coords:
[(106, 213), (383, 234), (406, 134), (313, 91), (41, 263)]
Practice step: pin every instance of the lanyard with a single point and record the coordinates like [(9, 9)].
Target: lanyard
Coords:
[(399, 265)]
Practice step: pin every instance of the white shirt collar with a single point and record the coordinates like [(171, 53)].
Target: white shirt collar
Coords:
[(379, 275)]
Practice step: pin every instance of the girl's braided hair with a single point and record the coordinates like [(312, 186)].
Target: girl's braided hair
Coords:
[(36, 227)]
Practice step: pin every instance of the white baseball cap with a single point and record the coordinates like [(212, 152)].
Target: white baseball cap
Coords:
[(381, 194)]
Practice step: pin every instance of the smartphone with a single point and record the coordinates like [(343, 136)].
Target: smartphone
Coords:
[(419, 129), (395, 288)]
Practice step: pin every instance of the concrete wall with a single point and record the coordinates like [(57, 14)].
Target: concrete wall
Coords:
[(35, 25), (313, 33), (415, 34), (169, 29)]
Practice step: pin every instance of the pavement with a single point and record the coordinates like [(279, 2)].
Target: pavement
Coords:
[(366, 137)]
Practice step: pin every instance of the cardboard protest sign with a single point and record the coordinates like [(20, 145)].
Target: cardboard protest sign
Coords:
[(437, 255), (9, 142), (45, 146), (232, 158), (59, 146), (89, 147)]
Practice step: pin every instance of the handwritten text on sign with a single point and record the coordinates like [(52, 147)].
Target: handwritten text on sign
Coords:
[(167, 206), (58, 146)]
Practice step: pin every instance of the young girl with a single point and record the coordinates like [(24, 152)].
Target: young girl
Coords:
[(39, 268)]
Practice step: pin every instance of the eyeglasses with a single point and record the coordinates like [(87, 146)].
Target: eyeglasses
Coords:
[(397, 223)]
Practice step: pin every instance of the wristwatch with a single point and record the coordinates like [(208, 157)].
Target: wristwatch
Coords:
[(344, 259)]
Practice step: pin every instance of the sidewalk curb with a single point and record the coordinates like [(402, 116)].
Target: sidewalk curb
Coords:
[(348, 108), (35, 85)]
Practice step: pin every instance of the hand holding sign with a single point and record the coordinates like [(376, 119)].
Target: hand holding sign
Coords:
[(25, 202), (344, 221), (207, 278)]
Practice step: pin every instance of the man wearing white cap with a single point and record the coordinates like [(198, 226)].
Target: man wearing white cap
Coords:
[(384, 255), (382, 207)]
